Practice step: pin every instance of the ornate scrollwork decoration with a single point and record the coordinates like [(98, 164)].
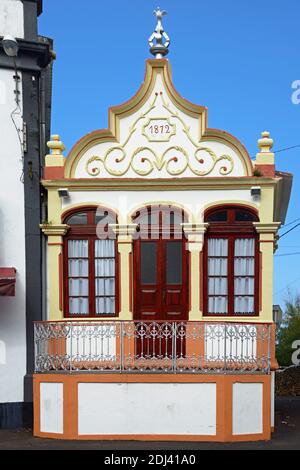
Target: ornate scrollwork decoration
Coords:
[(224, 170), (143, 160)]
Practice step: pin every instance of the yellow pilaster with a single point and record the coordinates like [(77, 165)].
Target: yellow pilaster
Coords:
[(55, 234), (267, 233), (195, 235), (125, 240)]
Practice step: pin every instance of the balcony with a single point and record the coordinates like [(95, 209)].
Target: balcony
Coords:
[(152, 347)]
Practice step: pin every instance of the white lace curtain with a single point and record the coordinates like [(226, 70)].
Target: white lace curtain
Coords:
[(78, 251), (217, 276)]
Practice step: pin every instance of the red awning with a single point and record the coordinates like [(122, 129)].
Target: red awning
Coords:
[(7, 281)]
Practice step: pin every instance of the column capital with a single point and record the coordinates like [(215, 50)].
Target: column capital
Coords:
[(54, 230), (195, 235), (124, 230), (194, 229), (267, 227)]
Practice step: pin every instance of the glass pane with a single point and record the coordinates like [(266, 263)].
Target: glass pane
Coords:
[(244, 305), (78, 268), (244, 286), (219, 216), (105, 305), (104, 248), (78, 248), (244, 266), (217, 266), (79, 287), (77, 219), (244, 216), (104, 217), (244, 247), (217, 286), (148, 262), (174, 263), (217, 247), (104, 267), (105, 286), (79, 306), (217, 305)]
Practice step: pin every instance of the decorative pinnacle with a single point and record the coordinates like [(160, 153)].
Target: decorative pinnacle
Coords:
[(265, 143), (159, 41), (55, 144)]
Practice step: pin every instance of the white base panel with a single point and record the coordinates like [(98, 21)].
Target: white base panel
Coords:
[(147, 408)]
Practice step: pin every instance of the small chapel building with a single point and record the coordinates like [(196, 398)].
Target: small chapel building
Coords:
[(161, 233)]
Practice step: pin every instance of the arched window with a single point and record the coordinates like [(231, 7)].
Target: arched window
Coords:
[(90, 264), (231, 263)]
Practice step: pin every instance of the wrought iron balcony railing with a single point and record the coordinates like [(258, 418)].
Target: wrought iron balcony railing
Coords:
[(153, 347)]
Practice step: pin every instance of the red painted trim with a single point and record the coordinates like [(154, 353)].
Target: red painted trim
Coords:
[(267, 171), (54, 172)]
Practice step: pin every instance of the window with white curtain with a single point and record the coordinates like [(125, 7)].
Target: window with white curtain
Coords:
[(78, 264), (90, 265), (105, 276), (217, 276), (231, 263), (244, 262)]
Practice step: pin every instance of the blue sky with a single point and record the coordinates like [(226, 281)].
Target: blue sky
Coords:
[(237, 58)]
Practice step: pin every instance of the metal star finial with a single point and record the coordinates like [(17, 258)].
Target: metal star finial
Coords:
[(159, 41)]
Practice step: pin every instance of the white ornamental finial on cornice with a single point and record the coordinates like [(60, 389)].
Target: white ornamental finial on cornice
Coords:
[(159, 41)]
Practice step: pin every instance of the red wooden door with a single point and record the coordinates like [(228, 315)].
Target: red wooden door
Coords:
[(160, 280)]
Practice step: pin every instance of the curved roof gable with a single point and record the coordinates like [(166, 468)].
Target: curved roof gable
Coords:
[(157, 134)]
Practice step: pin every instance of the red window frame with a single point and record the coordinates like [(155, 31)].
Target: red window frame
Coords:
[(87, 232), (231, 230)]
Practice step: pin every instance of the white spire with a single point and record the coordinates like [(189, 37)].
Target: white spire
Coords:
[(159, 41)]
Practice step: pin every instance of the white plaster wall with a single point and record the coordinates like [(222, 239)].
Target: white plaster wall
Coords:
[(125, 202), (51, 407), (11, 18), (12, 248), (147, 408), (247, 408)]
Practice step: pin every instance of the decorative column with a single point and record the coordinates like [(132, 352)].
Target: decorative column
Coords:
[(55, 161), (55, 234), (267, 241), (125, 234), (195, 235), (265, 159)]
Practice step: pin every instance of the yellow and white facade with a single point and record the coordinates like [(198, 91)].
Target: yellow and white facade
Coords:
[(158, 151)]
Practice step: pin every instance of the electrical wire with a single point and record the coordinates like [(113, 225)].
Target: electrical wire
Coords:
[(287, 148), (290, 223), (18, 112), (288, 254), (290, 230), (286, 287)]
